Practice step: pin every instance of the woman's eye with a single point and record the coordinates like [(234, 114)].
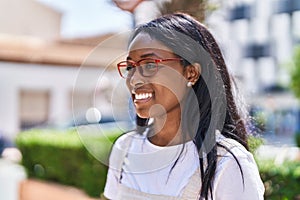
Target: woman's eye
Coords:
[(150, 66)]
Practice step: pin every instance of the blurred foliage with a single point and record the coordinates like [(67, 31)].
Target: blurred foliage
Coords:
[(260, 120), (295, 73), (197, 8), (280, 181), (254, 142), (297, 138), (60, 156)]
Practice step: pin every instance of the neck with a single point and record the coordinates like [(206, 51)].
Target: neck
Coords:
[(167, 130)]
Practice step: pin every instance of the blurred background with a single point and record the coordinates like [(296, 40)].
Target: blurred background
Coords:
[(53, 52)]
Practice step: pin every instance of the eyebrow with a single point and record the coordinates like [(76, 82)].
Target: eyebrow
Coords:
[(149, 55), (145, 56)]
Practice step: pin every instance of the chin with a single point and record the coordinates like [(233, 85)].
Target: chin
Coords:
[(144, 115)]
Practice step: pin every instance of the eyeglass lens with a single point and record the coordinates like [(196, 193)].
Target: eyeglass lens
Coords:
[(146, 67)]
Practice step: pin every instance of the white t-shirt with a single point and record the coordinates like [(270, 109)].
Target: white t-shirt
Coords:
[(147, 168)]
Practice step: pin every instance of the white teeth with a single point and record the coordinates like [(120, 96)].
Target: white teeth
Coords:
[(143, 96)]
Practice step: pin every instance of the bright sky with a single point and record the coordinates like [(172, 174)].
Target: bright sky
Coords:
[(90, 17)]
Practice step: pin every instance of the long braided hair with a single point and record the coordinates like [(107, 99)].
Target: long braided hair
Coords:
[(212, 94)]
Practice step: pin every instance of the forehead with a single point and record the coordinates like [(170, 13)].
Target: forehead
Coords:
[(143, 41)]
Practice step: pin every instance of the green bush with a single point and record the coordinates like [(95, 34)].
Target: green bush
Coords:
[(281, 181), (62, 156)]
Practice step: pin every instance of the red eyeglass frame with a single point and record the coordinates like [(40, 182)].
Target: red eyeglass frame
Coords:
[(137, 64)]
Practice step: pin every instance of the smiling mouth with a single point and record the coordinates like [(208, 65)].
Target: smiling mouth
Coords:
[(142, 97)]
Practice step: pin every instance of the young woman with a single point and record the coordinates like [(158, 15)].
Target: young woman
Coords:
[(191, 138)]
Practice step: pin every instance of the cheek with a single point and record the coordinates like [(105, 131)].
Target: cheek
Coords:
[(170, 94), (173, 79), (128, 85), (172, 87)]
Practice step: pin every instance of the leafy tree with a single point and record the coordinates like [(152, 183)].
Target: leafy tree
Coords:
[(197, 8), (295, 73)]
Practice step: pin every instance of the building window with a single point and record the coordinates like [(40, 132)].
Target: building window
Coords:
[(34, 107)]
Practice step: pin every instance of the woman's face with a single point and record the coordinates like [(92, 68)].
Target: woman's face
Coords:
[(163, 92)]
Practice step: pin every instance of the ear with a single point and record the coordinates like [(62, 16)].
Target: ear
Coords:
[(192, 72)]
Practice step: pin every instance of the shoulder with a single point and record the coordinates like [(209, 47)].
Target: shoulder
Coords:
[(237, 172), (124, 140), (231, 148), (234, 157), (121, 147)]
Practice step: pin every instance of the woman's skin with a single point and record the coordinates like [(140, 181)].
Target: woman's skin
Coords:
[(160, 96)]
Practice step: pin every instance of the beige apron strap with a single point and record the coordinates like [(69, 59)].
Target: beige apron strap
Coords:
[(193, 187), (126, 193)]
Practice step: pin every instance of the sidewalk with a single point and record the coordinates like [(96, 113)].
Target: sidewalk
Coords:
[(278, 153), (37, 190), (280, 148)]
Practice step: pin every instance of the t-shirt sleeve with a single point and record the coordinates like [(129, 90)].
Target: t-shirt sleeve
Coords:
[(232, 184), (115, 164)]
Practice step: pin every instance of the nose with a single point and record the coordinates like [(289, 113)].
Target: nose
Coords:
[(136, 79)]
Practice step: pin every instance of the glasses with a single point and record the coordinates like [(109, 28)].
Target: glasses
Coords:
[(147, 67)]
